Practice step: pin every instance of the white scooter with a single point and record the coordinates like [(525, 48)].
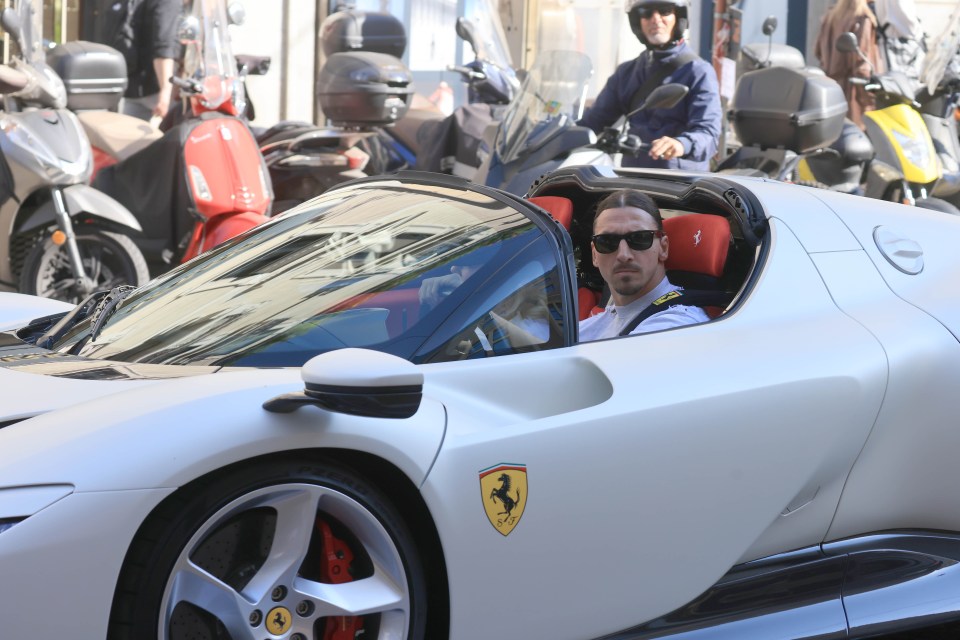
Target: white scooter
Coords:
[(64, 239)]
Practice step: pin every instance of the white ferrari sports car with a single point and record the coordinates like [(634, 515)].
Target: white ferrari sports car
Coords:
[(287, 439)]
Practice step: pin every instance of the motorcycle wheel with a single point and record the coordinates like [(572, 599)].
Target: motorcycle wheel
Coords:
[(936, 204), (265, 550), (110, 260)]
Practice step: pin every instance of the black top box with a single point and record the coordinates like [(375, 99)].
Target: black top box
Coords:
[(364, 89), (354, 31), (94, 74), (795, 109)]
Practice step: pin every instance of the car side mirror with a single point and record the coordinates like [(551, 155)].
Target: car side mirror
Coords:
[(358, 382)]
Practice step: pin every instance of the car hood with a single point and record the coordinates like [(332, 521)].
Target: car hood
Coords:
[(34, 380)]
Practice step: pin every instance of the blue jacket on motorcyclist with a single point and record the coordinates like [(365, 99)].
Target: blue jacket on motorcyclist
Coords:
[(684, 136)]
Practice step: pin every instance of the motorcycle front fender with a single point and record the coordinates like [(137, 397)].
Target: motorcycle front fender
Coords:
[(221, 229), (82, 199)]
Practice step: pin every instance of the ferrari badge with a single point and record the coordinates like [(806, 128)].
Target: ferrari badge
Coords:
[(503, 488)]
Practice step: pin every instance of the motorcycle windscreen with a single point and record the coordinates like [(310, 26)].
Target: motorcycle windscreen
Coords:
[(224, 169)]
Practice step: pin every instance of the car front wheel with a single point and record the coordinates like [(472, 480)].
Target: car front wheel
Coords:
[(286, 549)]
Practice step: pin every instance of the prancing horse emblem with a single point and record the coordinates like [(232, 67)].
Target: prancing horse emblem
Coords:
[(503, 488), (696, 237)]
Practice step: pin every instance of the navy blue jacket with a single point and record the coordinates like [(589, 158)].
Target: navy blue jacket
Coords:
[(695, 121)]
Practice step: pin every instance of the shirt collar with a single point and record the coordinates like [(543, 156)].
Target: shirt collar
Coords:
[(641, 303)]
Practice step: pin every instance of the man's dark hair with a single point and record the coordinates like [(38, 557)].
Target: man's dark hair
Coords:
[(629, 198)]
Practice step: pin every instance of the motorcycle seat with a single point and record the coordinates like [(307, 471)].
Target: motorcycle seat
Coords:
[(117, 134)]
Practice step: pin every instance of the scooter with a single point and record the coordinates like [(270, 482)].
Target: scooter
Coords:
[(453, 144), (539, 131), (905, 166), (782, 111), (203, 181), (65, 239)]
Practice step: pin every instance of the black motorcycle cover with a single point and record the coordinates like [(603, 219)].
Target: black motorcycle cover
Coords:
[(152, 185), (451, 145)]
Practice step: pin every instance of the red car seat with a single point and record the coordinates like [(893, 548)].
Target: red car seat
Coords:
[(562, 211), (699, 244)]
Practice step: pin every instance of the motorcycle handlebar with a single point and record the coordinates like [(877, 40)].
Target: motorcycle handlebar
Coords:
[(868, 85), (187, 84), (469, 75)]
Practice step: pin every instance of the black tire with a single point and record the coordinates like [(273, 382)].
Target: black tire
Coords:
[(110, 260), (936, 204), (256, 528)]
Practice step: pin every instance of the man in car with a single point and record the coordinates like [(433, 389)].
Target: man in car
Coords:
[(684, 136), (630, 250)]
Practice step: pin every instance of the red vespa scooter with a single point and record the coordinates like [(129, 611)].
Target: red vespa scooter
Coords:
[(204, 180)]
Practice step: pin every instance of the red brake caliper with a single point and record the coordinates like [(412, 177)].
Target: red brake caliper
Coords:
[(335, 564)]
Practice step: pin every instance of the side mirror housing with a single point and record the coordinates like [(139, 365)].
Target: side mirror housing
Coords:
[(358, 382)]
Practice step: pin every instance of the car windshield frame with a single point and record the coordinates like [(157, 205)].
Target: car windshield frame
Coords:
[(231, 306)]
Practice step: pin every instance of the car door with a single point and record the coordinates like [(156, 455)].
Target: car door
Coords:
[(583, 490)]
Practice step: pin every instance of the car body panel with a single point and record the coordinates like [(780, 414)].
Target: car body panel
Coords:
[(815, 226), (665, 489), (51, 539), (161, 421), (18, 309), (935, 234), (912, 449)]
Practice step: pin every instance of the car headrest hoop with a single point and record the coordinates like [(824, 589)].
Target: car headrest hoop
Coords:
[(559, 207)]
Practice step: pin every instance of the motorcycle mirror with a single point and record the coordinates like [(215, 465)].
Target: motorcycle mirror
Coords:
[(663, 97), (769, 25), (11, 24), (236, 13), (847, 42), (188, 31), (467, 31)]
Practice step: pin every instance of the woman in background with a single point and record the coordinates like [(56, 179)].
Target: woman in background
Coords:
[(857, 17)]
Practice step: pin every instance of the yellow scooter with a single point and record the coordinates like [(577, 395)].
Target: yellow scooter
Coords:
[(904, 166)]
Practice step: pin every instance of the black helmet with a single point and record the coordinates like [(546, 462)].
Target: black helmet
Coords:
[(633, 15)]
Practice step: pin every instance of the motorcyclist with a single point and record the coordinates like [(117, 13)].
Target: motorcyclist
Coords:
[(684, 136)]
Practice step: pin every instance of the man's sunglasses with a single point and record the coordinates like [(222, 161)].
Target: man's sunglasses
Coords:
[(636, 240), (664, 10)]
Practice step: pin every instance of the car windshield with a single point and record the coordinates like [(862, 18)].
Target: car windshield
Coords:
[(346, 270), (552, 97)]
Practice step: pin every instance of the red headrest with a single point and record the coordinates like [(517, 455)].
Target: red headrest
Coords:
[(698, 243), (560, 208)]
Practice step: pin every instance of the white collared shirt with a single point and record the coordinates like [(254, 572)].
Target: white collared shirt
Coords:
[(612, 321)]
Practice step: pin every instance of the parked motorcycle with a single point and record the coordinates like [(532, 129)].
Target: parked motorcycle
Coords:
[(905, 166), (203, 181), (306, 159), (539, 131), (454, 144), (782, 111), (65, 239)]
